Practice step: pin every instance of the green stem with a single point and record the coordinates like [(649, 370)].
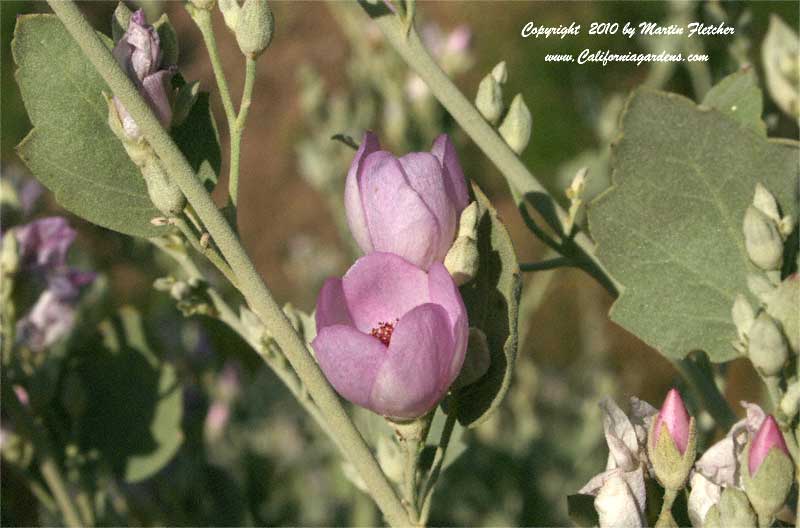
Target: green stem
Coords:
[(438, 462), (411, 447), (542, 265), (773, 384), (665, 518), (237, 129), (521, 181), (210, 253), (250, 282), (202, 17), (44, 453)]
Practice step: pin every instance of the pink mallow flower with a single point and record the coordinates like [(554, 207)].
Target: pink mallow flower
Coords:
[(138, 52), (767, 438), (409, 206), (674, 415), (391, 337)]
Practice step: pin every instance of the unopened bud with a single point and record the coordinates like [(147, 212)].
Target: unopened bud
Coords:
[(735, 510), (790, 403), (516, 127), (165, 194), (672, 442), (769, 471), (743, 316), (500, 72), (254, 27), (764, 201), (767, 349), (463, 259), (230, 12), (712, 519), (476, 361), (489, 100), (782, 303), (760, 286), (762, 240)]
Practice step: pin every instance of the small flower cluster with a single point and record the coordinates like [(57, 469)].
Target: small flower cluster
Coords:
[(743, 478), (392, 333), (37, 253)]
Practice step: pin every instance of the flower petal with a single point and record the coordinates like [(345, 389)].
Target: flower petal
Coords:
[(399, 221), (425, 175), (350, 360), (332, 305), (444, 292), (704, 494), (445, 152), (155, 90), (352, 196), (409, 383), (382, 287)]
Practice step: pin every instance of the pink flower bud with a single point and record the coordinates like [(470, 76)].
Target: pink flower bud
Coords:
[(674, 415), (768, 437), (139, 54), (408, 206), (391, 337)]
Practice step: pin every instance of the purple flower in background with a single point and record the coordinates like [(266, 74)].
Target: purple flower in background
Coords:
[(673, 414), (43, 243), (43, 246), (767, 438), (139, 54), (408, 206), (391, 337)]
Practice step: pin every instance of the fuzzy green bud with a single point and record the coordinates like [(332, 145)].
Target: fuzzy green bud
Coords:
[(767, 349), (759, 286), (735, 510), (764, 201), (712, 519), (476, 361), (743, 316), (769, 484), (517, 125), (230, 12), (254, 27), (500, 72), (782, 303), (762, 240), (462, 260), (165, 194), (671, 467), (489, 100)]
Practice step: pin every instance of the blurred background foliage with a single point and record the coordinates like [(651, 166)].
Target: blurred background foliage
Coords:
[(239, 449)]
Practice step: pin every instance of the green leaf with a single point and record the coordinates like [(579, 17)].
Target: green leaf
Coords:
[(739, 96), (670, 228), (71, 148), (492, 301), (198, 139), (134, 402)]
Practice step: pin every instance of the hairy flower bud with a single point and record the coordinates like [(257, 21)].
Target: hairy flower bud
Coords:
[(735, 510), (463, 259), (489, 100), (164, 193), (500, 72), (743, 316), (408, 206), (255, 25), (762, 240), (767, 348), (139, 54), (770, 470), (672, 442), (517, 125), (764, 201)]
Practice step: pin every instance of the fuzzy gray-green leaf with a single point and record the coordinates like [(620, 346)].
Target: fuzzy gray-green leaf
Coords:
[(71, 148), (739, 96), (670, 228), (492, 301)]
